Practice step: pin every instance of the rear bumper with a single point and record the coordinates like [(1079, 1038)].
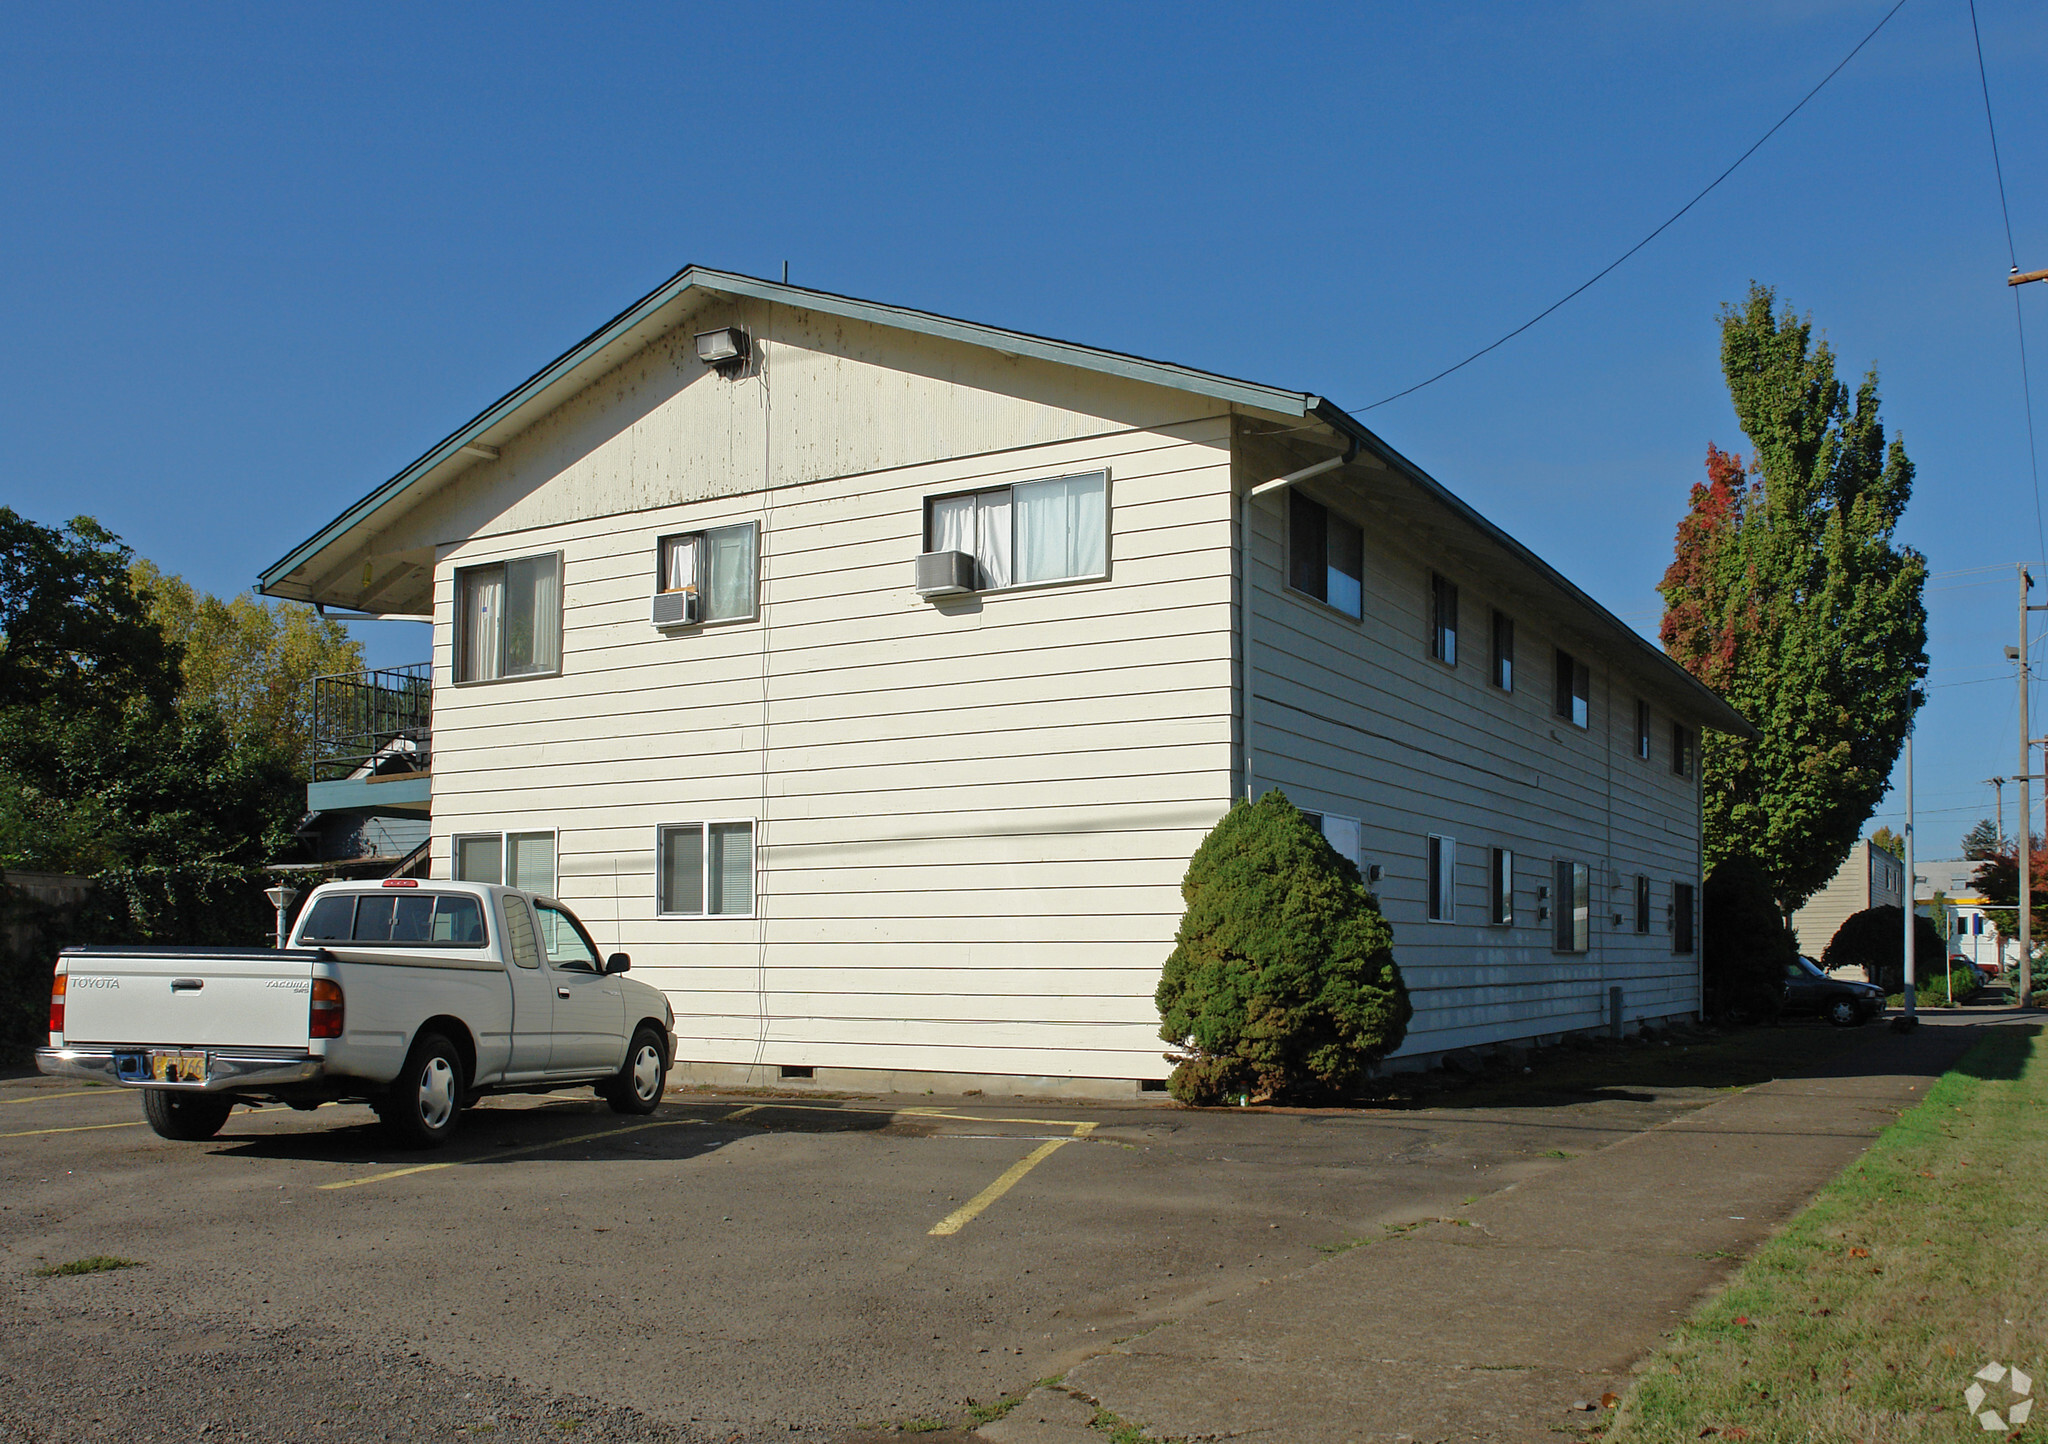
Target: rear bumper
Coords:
[(228, 1070)]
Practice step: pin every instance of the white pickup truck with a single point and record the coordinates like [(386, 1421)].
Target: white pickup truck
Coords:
[(415, 997)]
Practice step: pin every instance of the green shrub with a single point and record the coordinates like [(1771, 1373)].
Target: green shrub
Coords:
[(1746, 946), (1875, 941), (1282, 981)]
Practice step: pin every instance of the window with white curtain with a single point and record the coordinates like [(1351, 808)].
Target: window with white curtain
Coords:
[(525, 860), (705, 869), (1055, 530), (510, 619), (1443, 878), (719, 564)]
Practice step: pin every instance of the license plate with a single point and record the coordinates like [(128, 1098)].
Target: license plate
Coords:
[(177, 1067)]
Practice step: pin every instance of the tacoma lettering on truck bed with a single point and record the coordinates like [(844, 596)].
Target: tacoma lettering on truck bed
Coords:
[(415, 997)]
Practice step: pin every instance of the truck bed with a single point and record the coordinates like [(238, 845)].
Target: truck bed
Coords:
[(189, 997)]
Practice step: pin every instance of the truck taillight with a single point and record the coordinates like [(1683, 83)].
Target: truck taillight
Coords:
[(327, 1009), (57, 1003)]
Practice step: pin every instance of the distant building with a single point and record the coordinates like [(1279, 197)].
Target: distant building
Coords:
[(1963, 918), (1869, 878)]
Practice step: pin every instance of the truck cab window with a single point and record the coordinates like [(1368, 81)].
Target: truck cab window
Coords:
[(566, 945), (330, 920)]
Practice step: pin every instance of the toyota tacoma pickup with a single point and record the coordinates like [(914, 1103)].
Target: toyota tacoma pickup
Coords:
[(415, 997)]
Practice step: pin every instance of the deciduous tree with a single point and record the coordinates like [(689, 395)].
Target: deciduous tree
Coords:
[(1788, 595)]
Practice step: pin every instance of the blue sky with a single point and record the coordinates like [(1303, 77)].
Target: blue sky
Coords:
[(254, 259)]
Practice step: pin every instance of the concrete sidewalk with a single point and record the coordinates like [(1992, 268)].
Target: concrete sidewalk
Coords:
[(1490, 1324)]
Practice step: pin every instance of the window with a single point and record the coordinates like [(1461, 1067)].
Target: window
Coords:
[(706, 869), (1642, 729), (1342, 833), (1055, 530), (1574, 688), (1443, 620), (1681, 750), (565, 942), (525, 860), (416, 919), (1443, 877), (1573, 914), (1501, 888), (510, 619), (1325, 555), (1642, 903), (719, 565), (1681, 917), (1503, 651)]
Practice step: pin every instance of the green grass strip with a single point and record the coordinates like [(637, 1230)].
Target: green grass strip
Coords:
[(1868, 1316), (99, 1263)]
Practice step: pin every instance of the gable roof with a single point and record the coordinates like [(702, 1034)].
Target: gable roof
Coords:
[(667, 304)]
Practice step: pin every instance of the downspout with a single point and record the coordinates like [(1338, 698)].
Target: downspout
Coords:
[(1244, 610)]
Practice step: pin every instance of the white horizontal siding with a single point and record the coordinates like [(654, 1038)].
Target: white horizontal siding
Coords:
[(973, 819), (1354, 717)]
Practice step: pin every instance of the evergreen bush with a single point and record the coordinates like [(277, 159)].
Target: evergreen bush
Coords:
[(1282, 981), (1874, 940), (1746, 946)]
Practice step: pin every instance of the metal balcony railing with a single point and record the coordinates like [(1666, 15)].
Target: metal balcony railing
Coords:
[(373, 724)]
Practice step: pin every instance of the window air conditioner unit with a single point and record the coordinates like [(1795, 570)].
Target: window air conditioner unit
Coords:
[(944, 574), (675, 609)]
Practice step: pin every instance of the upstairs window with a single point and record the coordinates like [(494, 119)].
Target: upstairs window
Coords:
[(1642, 903), (1681, 749), (1325, 555), (1503, 651), (1443, 620), (1056, 530), (1501, 889), (718, 565), (1574, 689), (509, 619), (1642, 730)]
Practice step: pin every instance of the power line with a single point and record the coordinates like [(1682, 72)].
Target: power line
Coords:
[(1668, 223), (2019, 316)]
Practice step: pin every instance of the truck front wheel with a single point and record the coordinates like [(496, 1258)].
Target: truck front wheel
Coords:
[(185, 1117), (425, 1100), (637, 1086)]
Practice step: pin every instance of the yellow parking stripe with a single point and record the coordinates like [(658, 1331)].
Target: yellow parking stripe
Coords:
[(80, 1128), (1081, 1129), (41, 1097), (960, 1217), (508, 1153)]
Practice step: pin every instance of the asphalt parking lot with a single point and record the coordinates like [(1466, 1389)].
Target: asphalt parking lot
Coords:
[(734, 1267)]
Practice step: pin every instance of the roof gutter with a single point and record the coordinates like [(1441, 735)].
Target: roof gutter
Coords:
[(1244, 606)]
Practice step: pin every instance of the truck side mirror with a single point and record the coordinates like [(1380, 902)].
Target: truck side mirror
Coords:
[(617, 963)]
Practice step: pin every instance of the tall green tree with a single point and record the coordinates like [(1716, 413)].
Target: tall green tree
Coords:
[(251, 662), (1788, 595), (111, 764)]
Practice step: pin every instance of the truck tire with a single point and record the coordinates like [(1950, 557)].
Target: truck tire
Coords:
[(185, 1117), (424, 1101), (638, 1085)]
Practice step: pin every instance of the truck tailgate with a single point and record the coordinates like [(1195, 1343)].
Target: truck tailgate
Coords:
[(205, 997)]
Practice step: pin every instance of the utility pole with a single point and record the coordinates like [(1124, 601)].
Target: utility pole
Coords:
[(2025, 848), (1912, 1019), (1997, 786), (2019, 279)]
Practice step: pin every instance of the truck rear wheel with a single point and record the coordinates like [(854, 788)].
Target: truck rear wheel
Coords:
[(185, 1117), (425, 1099), (638, 1085)]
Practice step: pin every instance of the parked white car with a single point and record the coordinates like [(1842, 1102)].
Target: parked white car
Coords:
[(415, 997)]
